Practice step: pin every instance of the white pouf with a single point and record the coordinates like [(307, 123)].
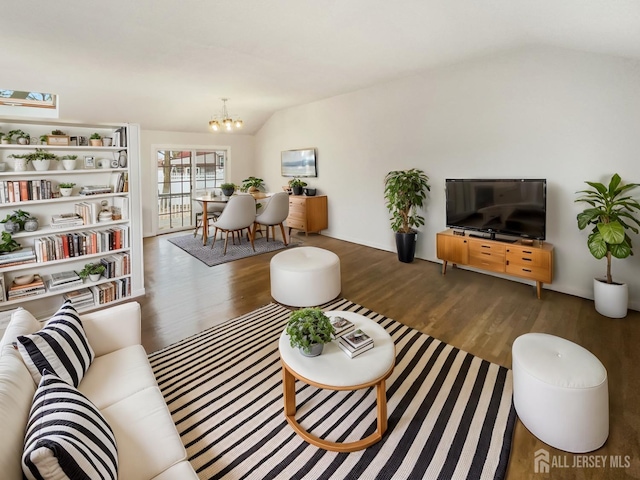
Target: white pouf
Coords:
[(560, 392), (305, 276)]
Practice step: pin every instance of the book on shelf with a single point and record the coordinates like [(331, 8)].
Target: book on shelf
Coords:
[(16, 254), (357, 339), (65, 220), (59, 288), (60, 278), (35, 287), (95, 189), (350, 351), (341, 326)]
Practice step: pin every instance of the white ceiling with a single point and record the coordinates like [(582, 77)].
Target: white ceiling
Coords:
[(166, 64)]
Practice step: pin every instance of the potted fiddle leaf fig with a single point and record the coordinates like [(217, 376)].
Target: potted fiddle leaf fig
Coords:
[(611, 212), (309, 329), (405, 192)]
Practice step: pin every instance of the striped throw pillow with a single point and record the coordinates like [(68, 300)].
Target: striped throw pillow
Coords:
[(66, 436), (61, 347)]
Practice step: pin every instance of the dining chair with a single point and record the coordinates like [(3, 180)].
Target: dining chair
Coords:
[(274, 213), (213, 211), (238, 214)]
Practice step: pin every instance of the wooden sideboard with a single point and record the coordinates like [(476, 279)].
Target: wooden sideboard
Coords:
[(308, 214), (534, 262)]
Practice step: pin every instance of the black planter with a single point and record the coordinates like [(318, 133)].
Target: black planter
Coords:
[(227, 192), (297, 190), (406, 245)]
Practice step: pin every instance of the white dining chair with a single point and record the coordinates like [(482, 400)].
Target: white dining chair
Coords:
[(213, 211), (238, 214), (274, 213)]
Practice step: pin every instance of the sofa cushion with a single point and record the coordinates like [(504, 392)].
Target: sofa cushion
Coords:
[(66, 436), (180, 471), (148, 443), (61, 347), (117, 375), (22, 323)]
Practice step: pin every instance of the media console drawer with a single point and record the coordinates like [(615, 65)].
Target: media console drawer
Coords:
[(533, 262)]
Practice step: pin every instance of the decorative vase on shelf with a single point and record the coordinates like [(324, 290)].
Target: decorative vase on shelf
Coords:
[(20, 164), (11, 226), (94, 277), (69, 164), (31, 224), (106, 141), (66, 192), (41, 165)]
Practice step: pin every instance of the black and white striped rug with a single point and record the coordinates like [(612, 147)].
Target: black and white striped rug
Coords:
[(450, 413)]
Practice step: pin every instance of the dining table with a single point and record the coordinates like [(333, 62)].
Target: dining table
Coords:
[(206, 199)]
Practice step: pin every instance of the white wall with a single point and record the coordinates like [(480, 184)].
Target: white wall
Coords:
[(240, 162), (533, 113)]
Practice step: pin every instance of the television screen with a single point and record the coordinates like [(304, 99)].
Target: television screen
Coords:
[(299, 163), (510, 207)]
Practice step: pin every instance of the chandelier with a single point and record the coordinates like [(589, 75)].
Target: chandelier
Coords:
[(226, 121)]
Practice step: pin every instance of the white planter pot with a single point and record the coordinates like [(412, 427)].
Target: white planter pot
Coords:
[(41, 165), (95, 277), (20, 164), (611, 299), (68, 164), (66, 192)]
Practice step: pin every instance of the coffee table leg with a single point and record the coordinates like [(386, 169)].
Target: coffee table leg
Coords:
[(289, 392), (381, 391)]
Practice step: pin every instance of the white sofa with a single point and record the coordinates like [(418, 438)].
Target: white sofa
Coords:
[(119, 382)]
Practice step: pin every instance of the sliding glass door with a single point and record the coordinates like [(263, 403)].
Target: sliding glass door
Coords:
[(182, 176)]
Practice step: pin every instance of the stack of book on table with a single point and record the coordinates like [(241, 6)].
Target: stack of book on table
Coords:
[(18, 257), (82, 298), (35, 287), (62, 280), (341, 326), (66, 220), (355, 343)]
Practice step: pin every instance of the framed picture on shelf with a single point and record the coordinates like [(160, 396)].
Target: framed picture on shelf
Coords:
[(89, 162), (82, 141)]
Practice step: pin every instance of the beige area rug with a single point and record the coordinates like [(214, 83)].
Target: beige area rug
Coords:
[(451, 414)]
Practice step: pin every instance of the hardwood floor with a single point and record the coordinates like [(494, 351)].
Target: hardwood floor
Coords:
[(472, 311)]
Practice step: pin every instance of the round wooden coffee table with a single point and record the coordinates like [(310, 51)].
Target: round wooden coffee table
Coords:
[(334, 370)]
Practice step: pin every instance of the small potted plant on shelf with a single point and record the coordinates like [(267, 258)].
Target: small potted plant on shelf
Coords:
[(14, 222), (297, 185), (228, 189), (93, 271), (252, 184), (8, 244), (95, 140), (3, 138), (309, 329), (611, 212), (66, 188), (405, 192), (43, 139), (69, 162), (41, 159)]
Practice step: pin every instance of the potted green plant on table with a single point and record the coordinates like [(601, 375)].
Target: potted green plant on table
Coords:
[(405, 192), (252, 184), (611, 213), (228, 189), (297, 185), (96, 140), (14, 222), (66, 188), (92, 270), (8, 244), (309, 329)]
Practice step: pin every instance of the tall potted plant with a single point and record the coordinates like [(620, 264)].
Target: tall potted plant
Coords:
[(611, 213), (405, 192)]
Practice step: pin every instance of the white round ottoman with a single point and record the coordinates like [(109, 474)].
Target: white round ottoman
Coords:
[(305, 276), (560, 392)]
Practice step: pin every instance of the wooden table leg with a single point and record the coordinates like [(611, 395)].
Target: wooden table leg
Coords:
[(289, 392), (381, 392), (205, 224)]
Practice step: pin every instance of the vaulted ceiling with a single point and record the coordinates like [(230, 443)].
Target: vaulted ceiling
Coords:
[(166, 64)]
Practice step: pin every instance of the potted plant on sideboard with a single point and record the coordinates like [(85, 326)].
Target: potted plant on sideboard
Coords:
[(611, 212), (297, 185), (405, 192), (309, 329)]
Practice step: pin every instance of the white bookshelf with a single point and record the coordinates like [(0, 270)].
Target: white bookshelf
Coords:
[(43, 305)]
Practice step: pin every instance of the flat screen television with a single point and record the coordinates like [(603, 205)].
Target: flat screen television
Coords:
[(299, 163), (514, 207)]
